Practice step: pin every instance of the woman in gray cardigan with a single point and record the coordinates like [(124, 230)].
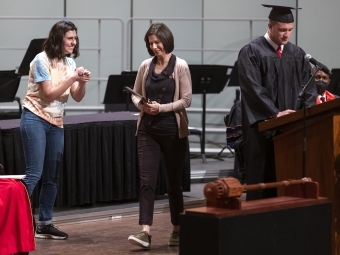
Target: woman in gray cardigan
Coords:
[(162, 128)]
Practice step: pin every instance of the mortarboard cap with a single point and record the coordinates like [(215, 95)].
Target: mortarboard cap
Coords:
[(281, 13)]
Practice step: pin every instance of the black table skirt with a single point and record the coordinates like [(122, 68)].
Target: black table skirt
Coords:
[(100, 159)]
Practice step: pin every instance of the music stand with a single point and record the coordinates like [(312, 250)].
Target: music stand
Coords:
[(129, 73), (208, 79), (233, 80), (7, 71), (334, 86), (9, 84), (34, 48), (116, 95)]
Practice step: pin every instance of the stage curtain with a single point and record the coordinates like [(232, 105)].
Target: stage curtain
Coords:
[(100, 162)]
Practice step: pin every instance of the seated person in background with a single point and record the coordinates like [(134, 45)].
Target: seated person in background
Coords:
[(322, 81)]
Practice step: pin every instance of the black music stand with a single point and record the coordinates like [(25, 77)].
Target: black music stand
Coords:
[(9, 84), (208, 79), (233, 80), (129, 73), (116, 97), (334, 86), (34, 48)]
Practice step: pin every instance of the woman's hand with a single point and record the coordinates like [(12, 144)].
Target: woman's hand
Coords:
[(81, 74), (151, 108)]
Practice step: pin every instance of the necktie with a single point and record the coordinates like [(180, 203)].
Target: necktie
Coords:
[(278, 51), (322, 99)]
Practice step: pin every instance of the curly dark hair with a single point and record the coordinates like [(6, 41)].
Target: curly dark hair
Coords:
[(53, 45), (163, 33)]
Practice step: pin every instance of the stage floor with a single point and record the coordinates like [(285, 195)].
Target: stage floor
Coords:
[(104, 228)]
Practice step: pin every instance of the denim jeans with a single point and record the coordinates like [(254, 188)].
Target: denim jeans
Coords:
[(43, 145)]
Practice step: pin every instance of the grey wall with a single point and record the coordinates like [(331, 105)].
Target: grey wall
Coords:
[(109, 46)]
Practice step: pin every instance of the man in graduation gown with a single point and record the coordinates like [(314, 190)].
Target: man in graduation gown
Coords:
[(272, 72), (322, 81)]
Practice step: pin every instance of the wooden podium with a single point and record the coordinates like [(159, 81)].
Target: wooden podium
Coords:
[(322, 152)]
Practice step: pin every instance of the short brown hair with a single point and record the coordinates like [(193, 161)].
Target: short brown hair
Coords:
[(163, 33)]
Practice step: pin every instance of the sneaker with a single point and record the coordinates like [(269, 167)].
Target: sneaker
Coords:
[(50, 232), (174, 239), (142, 239)]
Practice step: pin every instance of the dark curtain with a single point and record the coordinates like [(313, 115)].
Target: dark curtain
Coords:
[(100, 163)]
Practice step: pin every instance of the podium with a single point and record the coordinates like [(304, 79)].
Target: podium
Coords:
[(322, 152)]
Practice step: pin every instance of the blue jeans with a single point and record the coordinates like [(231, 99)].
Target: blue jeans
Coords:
[(43, 145)]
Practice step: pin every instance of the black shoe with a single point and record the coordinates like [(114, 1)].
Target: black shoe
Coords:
[(174, 238), (50, 232)]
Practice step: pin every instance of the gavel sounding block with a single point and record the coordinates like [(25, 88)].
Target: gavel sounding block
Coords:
[(282, 225)]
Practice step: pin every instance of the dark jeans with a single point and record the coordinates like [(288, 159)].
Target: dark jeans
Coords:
[(43, 145), (154, 140)]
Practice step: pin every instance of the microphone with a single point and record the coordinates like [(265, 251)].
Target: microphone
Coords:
[(320, 66)]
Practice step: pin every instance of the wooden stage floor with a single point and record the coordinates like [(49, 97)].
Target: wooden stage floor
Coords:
[(108, 237), (104, 229)]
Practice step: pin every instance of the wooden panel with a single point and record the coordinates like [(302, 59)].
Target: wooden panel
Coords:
[(279, 226), (322, 160), (336, 177), (256, 206), (331, 107)]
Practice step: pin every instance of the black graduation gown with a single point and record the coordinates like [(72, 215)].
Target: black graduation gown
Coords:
[(268, 85)]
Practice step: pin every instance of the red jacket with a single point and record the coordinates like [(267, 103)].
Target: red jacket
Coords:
[(329, 97)]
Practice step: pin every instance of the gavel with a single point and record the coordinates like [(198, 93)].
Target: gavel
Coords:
[(225, 192)]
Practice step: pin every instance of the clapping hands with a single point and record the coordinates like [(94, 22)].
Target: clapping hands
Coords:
[(83, 74)]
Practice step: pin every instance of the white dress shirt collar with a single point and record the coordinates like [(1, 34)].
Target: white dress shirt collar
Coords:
[(274, 45)]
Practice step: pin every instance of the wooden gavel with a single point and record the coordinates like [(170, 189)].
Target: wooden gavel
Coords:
[(225, 192)]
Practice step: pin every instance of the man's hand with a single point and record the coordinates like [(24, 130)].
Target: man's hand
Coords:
[(284, 113)]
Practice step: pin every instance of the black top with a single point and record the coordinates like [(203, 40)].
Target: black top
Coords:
[(270, 84), (161, 88)]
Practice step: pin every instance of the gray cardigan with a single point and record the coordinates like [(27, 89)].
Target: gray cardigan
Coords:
[(182, 96)]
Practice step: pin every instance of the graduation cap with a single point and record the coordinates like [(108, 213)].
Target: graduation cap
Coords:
[(281, 13)]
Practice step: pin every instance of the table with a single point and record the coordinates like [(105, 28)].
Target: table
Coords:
[(17, 234)]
